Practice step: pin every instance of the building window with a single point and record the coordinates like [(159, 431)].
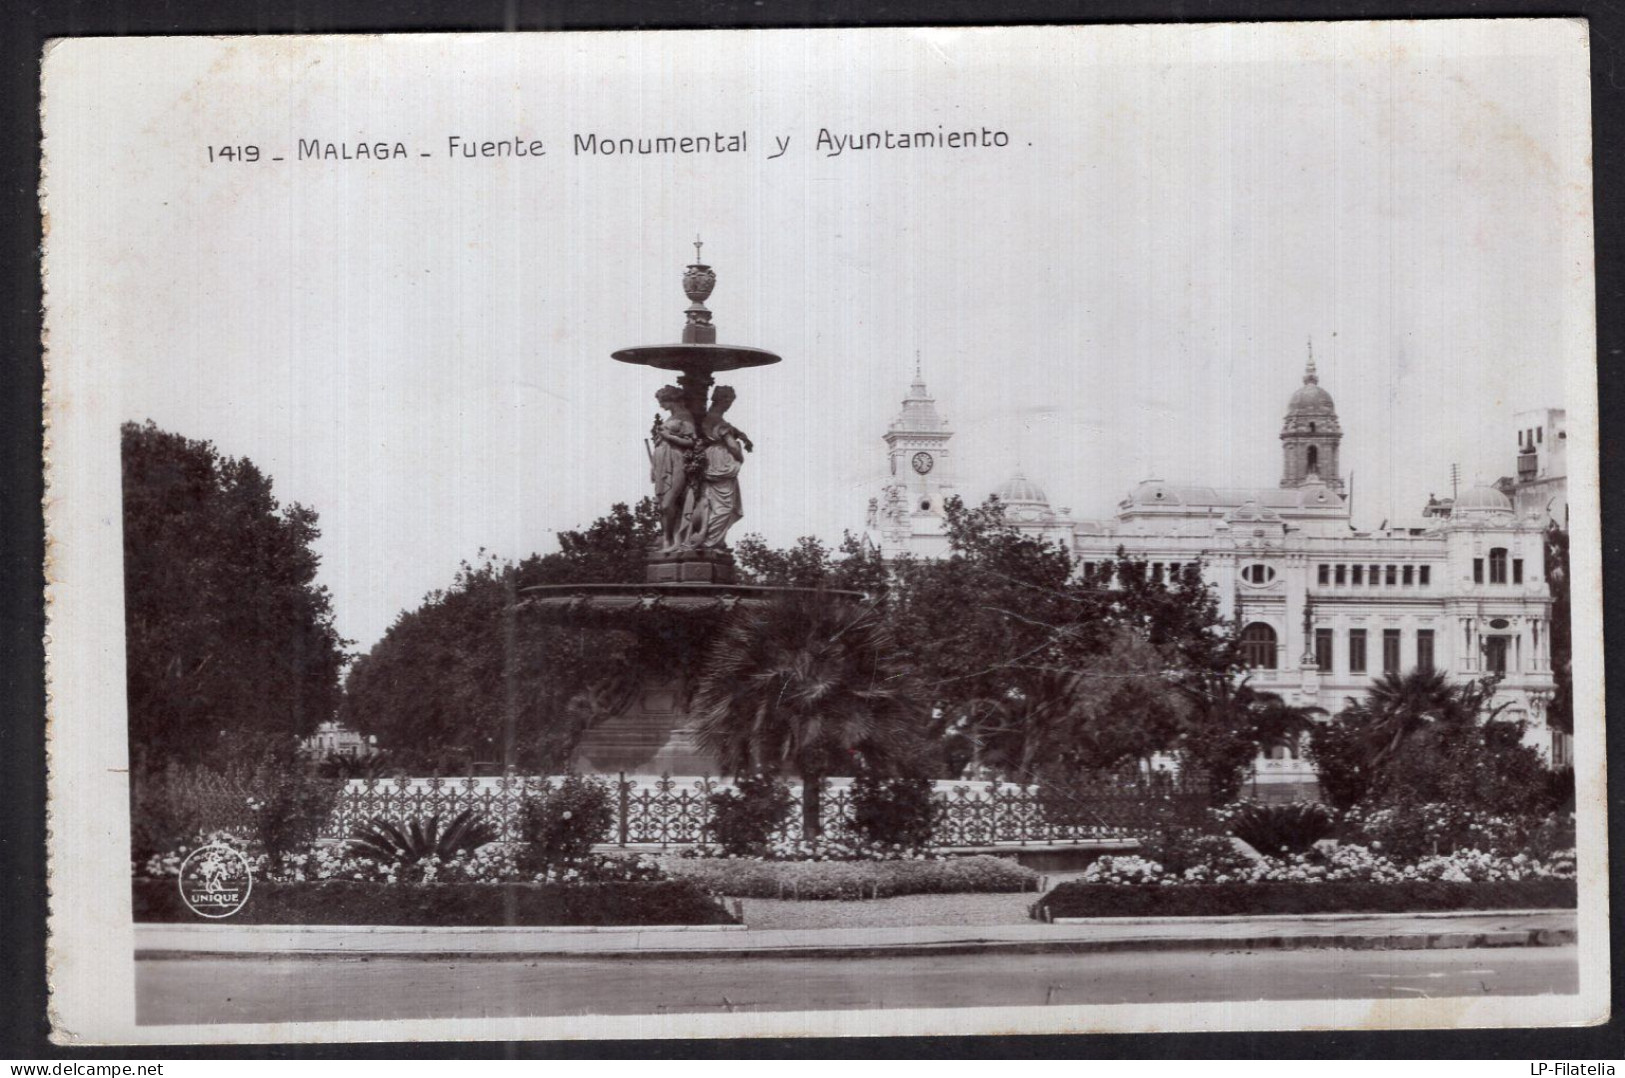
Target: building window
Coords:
[(1424, 649), (1495, 654), (1314, 454), (1359, 575), (1392, 576), (1323, 650), (1376, 575), (1156, 572), (1390, 651), (1498, 565), (1409, 575), (1258, 574), (1478, 570), (1258, 646), (1517, 570), (1422, 574), (1342, 577), (1356, 651), (1325, 575)]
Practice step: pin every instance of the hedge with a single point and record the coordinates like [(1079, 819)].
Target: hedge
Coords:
[(753, 878), (1228, 899), (349, 902)]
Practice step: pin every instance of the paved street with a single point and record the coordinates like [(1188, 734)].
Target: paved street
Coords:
[(206, 990)]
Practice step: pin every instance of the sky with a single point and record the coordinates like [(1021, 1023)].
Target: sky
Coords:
[(419, 349)]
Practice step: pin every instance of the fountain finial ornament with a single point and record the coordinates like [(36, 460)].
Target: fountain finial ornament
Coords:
[(698, 281)]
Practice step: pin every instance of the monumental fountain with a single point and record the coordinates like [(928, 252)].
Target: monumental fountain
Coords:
[(690, 586)]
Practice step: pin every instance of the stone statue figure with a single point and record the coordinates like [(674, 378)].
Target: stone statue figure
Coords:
[(717, 505), (672, 439)]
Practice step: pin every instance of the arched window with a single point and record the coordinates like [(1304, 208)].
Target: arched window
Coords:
[(1314, 458), (1258, 646), (1498, 565)]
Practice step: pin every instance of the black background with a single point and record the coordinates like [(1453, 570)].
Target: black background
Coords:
[(25, 29)]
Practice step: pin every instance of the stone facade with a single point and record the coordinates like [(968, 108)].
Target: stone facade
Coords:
[(1325, 607)]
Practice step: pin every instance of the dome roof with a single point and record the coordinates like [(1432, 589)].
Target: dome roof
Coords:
[(1482, 499), (1019, 490), (1311, 398)]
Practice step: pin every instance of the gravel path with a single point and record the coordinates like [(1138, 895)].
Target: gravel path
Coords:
[(888, 912)]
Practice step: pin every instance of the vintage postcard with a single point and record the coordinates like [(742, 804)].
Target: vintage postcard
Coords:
[(853, 532)]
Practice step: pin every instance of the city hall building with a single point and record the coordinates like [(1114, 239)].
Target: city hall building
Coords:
[(1324, 607)]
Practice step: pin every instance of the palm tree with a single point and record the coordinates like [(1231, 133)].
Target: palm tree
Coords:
[(1397, 706), (806, 684), (1227, 723)]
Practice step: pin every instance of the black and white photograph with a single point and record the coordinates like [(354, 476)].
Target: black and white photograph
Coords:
[(823, 532)]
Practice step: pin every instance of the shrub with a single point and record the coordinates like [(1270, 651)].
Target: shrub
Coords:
[(290, 803), (1180, 849), (901, 811), (743, 819), (352, 902), (1080, 899), (563, 823), (753, 878), (175, 805), (1274, 829), (417, 840), (1414, 830)]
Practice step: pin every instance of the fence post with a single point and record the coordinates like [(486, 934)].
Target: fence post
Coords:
[(625, 807)]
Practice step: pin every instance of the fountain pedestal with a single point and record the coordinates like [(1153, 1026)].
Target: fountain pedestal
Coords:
[(690, 584)]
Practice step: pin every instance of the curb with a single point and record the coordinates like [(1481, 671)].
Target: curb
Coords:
[(1420, 941), (1307, 918)]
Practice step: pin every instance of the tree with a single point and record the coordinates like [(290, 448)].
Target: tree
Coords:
[(1227, 724), (467, 677), (227, 631), (1371, 749), (806, 684)]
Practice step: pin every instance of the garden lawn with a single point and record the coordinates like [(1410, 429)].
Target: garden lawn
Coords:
[(349, 902), (821, 880), (1080, 899), (901, 911)]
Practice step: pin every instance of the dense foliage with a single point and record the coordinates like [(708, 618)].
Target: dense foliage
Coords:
[(262, 788), (227, 632), (1083, 899), (468, 680), (809, 685), (1418, 738), (901, 810), (744, 818), (341, 902), (562, 823), (1037, 670)]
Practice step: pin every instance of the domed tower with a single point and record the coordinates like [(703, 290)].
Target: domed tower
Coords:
[(1310, 435), (918, 454)]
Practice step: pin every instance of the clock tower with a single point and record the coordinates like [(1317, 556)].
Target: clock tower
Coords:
[(919, 475)]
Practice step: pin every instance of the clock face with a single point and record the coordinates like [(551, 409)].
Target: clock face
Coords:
[(923, 462)]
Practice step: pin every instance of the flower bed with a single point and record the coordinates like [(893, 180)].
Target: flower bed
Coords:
[(353, 902), (750, 877), (1081, 899), (1341, 864)]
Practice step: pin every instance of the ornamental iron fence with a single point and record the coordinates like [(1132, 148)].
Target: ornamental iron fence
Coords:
[(673, 812)]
